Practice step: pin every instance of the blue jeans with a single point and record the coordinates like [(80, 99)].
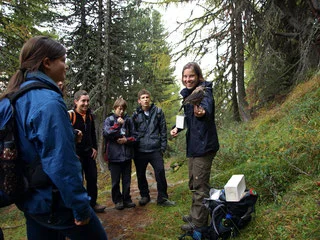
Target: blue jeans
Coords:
[(38, 228)]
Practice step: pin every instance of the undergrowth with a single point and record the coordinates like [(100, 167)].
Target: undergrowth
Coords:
[(279, 154)]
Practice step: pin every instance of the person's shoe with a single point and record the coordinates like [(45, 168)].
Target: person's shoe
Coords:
[(144, 200), (189, 227), (166, 203), (187, 218), (129, 205), (119, 206), (99, 208)]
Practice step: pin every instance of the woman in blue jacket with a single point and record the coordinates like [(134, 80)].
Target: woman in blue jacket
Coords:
[(202, 143), (57, 207), (119, 135)]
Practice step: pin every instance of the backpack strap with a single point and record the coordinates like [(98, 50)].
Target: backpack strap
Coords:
[(35, 85), (159, 110), (73, 116)]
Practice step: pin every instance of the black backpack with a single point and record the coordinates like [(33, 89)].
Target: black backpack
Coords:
[(227, 218), (13, 180)]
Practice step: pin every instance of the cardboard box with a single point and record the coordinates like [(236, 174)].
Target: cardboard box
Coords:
[(180, 121), (234, 188)]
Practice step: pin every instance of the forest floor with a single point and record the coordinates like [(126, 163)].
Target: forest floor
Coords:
[(122, 224)]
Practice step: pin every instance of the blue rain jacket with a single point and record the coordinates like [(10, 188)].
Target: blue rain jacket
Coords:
[(45, 131)]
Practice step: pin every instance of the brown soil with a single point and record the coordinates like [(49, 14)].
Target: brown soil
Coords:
[(123, 224)]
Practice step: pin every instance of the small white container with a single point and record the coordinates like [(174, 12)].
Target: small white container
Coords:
[(180, 121), (234, 188)]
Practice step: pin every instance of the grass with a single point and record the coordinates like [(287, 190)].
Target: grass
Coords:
[(279, 154), (12, 223)]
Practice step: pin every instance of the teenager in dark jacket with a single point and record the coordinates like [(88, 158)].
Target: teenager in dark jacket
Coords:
[(150, 125), (202, 144), (60, 207), (82, 119), (119, 136)]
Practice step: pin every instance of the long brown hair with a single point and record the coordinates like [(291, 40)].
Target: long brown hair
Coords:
[(196, 68), (33, 52)]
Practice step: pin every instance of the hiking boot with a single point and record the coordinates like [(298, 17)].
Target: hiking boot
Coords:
[(119, 206), (188, 227), (144, 200), (129, 205), (167, 203), (187, 218), (99, 208)]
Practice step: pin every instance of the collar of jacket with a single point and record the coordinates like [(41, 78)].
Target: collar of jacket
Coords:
[(186, 92), (140, 110), (87, 113), (40, 76)]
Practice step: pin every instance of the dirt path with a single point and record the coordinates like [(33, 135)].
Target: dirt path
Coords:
[(121, 224)]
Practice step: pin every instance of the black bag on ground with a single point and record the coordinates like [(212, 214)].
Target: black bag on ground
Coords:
[(227, 218)]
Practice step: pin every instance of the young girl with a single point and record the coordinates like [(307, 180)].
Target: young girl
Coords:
[(60, 207), (202, 144)]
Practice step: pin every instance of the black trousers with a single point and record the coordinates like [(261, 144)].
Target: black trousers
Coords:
[(141, 162), (121, 171), (89, 169)]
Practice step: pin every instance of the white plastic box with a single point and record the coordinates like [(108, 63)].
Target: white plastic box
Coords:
[(234, 188), (180, 121)]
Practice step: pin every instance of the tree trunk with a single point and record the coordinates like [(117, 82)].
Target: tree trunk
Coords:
[(243, 105), (83, 77), (104, 84), (234, 98)]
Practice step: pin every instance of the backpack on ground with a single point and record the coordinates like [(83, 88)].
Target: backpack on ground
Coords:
[(227, 218), (13, 180)]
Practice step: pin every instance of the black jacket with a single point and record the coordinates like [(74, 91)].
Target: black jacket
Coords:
[(202, 137), (89, 139), (151, 130)]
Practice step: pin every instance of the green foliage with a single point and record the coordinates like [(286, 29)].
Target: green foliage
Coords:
[(12, 223), (279, 155), (19, 20), (268, 79), (293, 217), (277, 146), (280, 56)]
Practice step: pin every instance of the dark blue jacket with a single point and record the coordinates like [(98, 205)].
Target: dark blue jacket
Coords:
[(112, 131), (201, 133), (45, 131), (151, 130)]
